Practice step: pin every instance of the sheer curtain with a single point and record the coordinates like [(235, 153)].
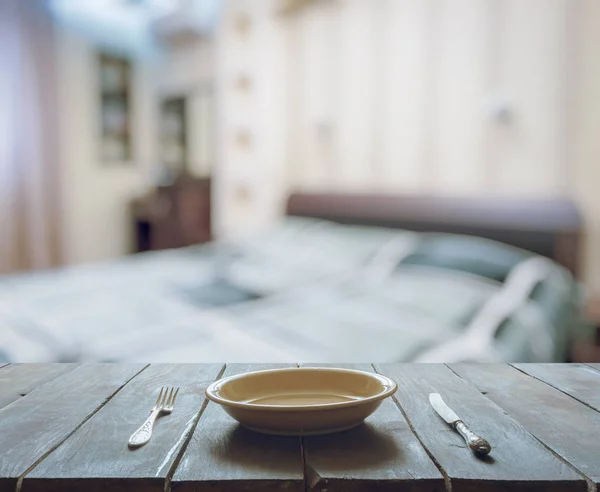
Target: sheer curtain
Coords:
[(28, 140)]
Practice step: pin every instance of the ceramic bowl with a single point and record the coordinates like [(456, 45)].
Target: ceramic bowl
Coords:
[(301, 401)]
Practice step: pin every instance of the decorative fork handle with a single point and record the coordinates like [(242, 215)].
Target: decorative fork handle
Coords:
[(474, 442), (144, 433)]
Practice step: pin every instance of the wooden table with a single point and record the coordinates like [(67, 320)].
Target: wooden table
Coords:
[(65, 427)]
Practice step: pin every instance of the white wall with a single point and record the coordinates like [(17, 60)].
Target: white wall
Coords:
[(188, 68), (95, 196), (250, 123), (393, 95), (405, 87), (585, 122)]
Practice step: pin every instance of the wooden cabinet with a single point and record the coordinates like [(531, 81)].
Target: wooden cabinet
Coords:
[(173, 216)]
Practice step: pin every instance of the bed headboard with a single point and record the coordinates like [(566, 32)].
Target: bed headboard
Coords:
[(549, 227)]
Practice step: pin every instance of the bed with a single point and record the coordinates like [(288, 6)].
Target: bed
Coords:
[(342, 278)]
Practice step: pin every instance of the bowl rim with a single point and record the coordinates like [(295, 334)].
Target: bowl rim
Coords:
[(390, 387)]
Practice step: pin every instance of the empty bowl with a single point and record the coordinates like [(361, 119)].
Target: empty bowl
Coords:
[(301, 401)]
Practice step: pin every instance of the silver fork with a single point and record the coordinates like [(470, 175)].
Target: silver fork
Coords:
[(164, 405)]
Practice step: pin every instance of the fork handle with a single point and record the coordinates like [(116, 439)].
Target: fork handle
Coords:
[(144, 433)]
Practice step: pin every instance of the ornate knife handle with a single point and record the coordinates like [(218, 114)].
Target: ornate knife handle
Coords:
[(474, 442), (144, 433)]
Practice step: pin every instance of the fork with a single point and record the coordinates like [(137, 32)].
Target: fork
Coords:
[(164, 405)]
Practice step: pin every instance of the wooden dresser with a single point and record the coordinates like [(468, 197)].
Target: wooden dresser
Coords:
[(173, 216)]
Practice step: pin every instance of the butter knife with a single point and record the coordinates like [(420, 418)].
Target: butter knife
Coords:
[(474, 442)]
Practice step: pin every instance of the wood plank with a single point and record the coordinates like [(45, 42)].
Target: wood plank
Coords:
[(4, 364), (37, 423), (222, 455), (566, 426), (577, 380), (19, 380), (517, 462), (381, 455), (105, 436)]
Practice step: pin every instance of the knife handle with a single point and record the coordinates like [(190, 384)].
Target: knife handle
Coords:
[(474, 442)]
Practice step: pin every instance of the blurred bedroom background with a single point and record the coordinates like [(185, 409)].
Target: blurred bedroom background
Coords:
[(149, 149)]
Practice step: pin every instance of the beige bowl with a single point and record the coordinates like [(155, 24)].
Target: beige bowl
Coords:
[(301, 401)]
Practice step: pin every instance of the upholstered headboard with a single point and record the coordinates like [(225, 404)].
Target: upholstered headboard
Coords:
[(549, 227)]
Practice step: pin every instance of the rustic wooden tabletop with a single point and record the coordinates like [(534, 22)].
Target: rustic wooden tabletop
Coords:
[(66, 426)]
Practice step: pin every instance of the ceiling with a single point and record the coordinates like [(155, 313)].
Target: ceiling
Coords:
[(126, 24)]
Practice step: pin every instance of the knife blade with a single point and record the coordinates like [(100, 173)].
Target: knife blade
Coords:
[(474, 442)]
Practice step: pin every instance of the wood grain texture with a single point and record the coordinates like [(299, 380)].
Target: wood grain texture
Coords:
[(223, 456), (517, 462), (381, 455), (566, 426), (105, 436), (577, 380), (70, 433), (37, 423), (19, 380)]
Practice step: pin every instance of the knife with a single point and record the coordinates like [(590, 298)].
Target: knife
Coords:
[(474, 442)]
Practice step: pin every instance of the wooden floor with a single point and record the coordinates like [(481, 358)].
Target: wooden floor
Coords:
[(65, 427)]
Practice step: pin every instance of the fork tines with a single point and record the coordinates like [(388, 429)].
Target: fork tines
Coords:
[(166, 397)]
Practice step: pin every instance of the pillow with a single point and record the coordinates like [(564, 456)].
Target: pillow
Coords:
[(479, 256)]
